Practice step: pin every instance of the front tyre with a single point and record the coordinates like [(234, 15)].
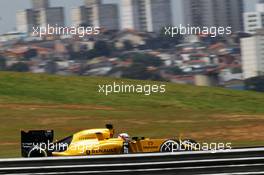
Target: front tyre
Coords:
[(170, 146), (189, 145)]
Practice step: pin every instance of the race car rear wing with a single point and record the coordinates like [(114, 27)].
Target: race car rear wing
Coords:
[(32, 138)]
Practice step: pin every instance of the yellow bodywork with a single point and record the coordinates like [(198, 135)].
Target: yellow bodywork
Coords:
[(101, 141), (146, 145), (92, 142), (39, 143)]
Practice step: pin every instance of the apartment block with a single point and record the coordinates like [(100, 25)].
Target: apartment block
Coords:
[(41, 14), (145, 15), (25, 20), (52, 16), (218, 13), (96, 14), (252, 50), (254, 20)]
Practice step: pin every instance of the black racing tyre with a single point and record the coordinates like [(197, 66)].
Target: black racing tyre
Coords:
[(170, 146), (37, 152), (189, 145)]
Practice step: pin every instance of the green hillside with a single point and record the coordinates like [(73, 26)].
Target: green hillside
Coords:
[(68, 104)]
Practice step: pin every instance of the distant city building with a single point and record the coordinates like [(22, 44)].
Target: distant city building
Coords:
[(80, 15), (254, 20), (52, 16), (252, 55), (161, 14), (92, 2), (219, 13), (37, 4), (40, 15), (25, 20), (128, 15), (145, 15), (96, 14)]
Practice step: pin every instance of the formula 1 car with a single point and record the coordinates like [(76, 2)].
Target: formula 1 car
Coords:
[(39, 143)]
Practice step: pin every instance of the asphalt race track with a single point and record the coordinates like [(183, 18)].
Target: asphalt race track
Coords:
[(245, 161)]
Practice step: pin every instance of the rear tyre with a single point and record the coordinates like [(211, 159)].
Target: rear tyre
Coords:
[(170, 146), (37, 152), (189, 145)]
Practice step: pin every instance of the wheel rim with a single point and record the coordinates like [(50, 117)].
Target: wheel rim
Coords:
[(170, 146)]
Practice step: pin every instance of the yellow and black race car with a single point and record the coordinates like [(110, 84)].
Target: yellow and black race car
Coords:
[(39, 143)]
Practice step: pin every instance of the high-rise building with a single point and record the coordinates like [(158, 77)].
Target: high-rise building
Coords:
[(80, 16), (96, 14), (254, 20), (134, 15), (161, 14), (252, 55), (108, 17), (40, 15), (52, 16), (260, 6), (37, 4), (145, 15), (25, 20), (223, 13)]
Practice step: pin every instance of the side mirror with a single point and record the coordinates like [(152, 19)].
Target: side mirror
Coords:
[(111, 129)]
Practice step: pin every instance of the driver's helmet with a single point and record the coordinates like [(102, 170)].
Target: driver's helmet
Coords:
[(124, 136)]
